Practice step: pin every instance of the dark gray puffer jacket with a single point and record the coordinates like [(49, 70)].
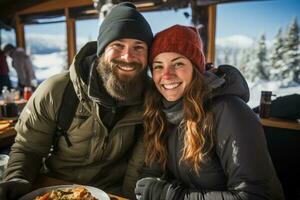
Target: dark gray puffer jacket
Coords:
[(238, 167)]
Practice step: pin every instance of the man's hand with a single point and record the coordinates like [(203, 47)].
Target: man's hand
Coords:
[(12, 189)]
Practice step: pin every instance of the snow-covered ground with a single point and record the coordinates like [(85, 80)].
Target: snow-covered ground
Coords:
[(274, 86)]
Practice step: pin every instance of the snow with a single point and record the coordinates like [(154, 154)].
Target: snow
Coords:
[(47, 65), (274, 86)]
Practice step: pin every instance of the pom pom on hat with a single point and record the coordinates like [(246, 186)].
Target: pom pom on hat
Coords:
[(184, 40)]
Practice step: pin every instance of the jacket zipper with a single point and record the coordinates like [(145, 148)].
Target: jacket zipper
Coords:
[(177, 154)]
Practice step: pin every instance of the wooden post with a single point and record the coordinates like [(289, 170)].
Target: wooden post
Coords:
[(71, 36), (211, 33), (20, 32), (204, 18)]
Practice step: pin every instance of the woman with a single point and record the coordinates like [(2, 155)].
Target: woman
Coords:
[(202, 140), (4, 72)]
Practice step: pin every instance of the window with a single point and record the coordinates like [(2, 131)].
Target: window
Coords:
[(9, 37), (47, 46), (160, 20), (261, 38), (86, 31)]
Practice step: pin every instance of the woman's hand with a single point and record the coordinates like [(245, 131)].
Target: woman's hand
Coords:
[(151, 189)]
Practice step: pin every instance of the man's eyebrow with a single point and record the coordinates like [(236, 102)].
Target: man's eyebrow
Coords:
[(117, 41), (140, 43)]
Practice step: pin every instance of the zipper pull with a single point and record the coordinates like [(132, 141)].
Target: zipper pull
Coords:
[(113, 110)]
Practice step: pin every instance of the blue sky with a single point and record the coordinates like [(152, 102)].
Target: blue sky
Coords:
[(253, 18), (245, 18)]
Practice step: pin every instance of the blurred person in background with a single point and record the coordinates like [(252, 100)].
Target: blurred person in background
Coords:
[(4, 70), (22, 64)]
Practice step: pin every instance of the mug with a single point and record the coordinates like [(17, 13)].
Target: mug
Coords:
[(9, 110), (265, 104)]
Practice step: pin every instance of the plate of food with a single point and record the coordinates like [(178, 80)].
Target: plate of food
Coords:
[(67, 192)]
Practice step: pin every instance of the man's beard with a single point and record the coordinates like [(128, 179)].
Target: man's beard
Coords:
[(121, 87)]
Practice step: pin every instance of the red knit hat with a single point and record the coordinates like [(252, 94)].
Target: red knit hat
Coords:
[(184, 40)]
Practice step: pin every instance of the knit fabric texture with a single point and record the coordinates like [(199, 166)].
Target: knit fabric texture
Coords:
[(184, 40), (123, 21)]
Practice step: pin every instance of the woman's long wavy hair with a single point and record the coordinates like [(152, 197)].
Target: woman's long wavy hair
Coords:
[(198, 125)]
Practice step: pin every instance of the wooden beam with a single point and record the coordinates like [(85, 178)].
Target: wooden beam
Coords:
[(200, 20), (204, 18), (71, 36), (20, 32), (8, 8), (211, 33), (55, 5)]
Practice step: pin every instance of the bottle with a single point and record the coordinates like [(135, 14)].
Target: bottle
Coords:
[(265, 104), (6, 94), (15, 94), (27, 93)]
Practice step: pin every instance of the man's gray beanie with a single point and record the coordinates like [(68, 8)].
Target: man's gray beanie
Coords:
[(123, 21)]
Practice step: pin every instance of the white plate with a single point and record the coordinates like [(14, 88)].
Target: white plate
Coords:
[(97, 193)]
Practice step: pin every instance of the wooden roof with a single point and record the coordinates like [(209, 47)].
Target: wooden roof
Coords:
[(17, 13), (31, 10)]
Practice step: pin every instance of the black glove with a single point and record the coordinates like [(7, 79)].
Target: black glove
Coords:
[(151, 189), (14, 188)]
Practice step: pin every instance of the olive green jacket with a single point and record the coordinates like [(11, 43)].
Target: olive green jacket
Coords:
[(97, 157)]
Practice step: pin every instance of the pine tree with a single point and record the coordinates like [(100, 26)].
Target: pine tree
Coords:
[(226, 55), (290, 69), (260, 66), (244, 63), (291, 56), (276, 58)]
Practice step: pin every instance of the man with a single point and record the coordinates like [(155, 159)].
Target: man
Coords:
[(106, 147), (22, 64)]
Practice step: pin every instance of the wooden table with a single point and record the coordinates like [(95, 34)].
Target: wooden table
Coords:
[(280, 123), (7, 137), (45, 181)]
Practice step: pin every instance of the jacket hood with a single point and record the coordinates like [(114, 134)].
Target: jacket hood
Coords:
[(80, 68), (227, 81)]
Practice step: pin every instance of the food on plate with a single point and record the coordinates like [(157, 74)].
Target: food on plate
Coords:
[(76, 193), (4, 126)]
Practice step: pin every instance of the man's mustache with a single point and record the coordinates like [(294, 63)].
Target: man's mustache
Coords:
[(134, 65)]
